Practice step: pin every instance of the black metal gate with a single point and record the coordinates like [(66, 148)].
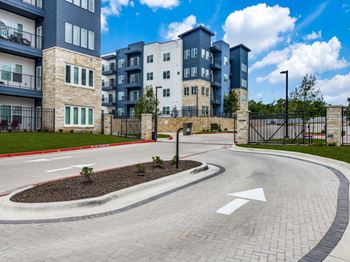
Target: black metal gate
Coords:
[(130, 127), (346, 126), (297, 128)]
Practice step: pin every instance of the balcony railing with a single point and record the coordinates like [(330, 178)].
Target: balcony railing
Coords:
[(36, 3), (23, 81), (20, 37)]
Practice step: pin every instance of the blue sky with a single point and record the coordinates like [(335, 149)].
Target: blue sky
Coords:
[(301, 36)]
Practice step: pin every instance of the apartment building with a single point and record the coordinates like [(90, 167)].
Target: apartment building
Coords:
[(50, 65), (194, 73)]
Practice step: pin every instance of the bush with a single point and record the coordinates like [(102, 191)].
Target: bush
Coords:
[(141, 170), (343, 133), (332, 144), (173, 161), (87, 172), (71, 131), (225, 129), (157, 162), (60, 130)]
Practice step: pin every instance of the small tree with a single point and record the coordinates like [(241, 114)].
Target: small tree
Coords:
[(231, 103), (307, 97), (147, 103)]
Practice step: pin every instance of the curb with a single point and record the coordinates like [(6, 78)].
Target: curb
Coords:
[(73, 149)]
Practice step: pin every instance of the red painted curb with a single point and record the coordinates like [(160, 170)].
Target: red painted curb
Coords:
[(73, 149)]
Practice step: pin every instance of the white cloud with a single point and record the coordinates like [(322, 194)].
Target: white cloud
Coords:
[(313, 36), (112, 8), (155, 4), (302, 58), (176, 28), (335, 90), (260, 27)]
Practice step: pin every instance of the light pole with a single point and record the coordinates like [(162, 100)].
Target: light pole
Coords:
[(287, 102), (156, 116)]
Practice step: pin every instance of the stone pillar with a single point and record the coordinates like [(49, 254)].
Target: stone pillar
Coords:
[(242, 95), (146, 126), (242, 137), (334, 124), (107, 124)]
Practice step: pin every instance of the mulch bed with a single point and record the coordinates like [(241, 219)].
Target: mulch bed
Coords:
[(104, 182)]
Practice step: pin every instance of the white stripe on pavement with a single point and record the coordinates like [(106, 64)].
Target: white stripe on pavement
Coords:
[(80, 166), (47, 159), (59, 169), (232, 206)]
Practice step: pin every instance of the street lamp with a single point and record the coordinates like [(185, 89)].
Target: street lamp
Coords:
[(287, 102), (156, 116)]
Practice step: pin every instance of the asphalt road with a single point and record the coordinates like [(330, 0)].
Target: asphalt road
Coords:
[(184, 226)]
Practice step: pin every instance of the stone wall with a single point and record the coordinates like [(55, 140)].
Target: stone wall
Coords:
[(57, 94), (199, 124)]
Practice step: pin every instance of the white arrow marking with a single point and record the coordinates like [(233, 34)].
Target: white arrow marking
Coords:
[(47, 159), (232, 206), (254, 194)]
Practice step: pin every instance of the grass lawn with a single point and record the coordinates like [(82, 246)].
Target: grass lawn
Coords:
[(338, 153), (26, 141), (163, 136)]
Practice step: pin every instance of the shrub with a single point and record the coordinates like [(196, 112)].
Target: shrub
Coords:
[(157, 162), (225, 129), (71, 131), (343, 133), (60, 130), (87, 172), (141, 170), (173, 161), (332, 144), (24, 130)]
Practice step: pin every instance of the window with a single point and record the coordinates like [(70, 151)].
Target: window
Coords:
[(194, 71), (76, 35), (166, 75), (194, 52), (67, 116), (78, 116), (186, 91), (121, 111), (149, 59), (244, 83), (121, 79), (244, 68), (38, 38), (166, 57), (187, 54), (166, 92), (84, 4), (203, 72), (83, 116), (207, 91), (150, 76), (91, 117), (80, 76), (166, 110), (121, 95), (17, 75), (226, 61), (17, 113), (92, 6), (121, 63), (194, 90), (207, 73), (38, 78), (68, 33), (226, 77), (91, 40), (203, 90), (187, 72), (205, 110), (75, 116), (203, 53), (84, 38), (207, 55), (76, 2), (135, 61)]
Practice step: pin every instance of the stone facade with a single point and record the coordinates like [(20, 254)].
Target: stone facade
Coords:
[(242, 95), (107, 124), (191, 100), (199, 124), (334, 124), (146, 126), (242, 127), (57, 94)]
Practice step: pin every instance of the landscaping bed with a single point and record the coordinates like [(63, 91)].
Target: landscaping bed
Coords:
[(104, 182)]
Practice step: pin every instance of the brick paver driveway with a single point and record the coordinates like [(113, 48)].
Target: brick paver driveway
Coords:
[(184, 226)]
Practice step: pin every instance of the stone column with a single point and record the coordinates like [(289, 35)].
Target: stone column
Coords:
[(107, 124), (146, 126), (242, 137), (242, 95), (334, 124)]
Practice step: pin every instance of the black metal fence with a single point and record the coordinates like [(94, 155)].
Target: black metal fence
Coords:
[(126, 127), (297, 128), (17, 118), (346, 126)]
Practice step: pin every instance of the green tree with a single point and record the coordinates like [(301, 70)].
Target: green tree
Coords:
[(231, 104), (307, 97), (147, 103)]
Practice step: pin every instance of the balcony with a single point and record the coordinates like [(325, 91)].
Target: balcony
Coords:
[(15, 84), (134, 50), (108, 87), (32, 9), (19, 42), (108, 102), (215, 83), (108, 70), (215, 101), (215, 66), (132, 84), (132, 99), (133, 67)]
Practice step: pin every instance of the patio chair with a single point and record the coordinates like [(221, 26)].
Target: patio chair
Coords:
[(4, 125), (14, 125)]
